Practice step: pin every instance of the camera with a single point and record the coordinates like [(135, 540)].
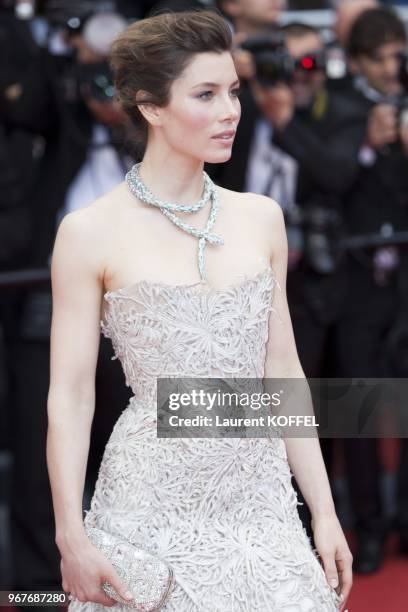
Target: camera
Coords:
[(95, 81), (317, 229), (72, 14), (274, 64)]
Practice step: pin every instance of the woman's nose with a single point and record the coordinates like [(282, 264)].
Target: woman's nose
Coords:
[(232, 109)]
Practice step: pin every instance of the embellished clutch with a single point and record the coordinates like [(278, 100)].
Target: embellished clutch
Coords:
[(149, 578)]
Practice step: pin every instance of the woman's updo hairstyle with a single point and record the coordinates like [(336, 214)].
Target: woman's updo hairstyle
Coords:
[(151, 53)]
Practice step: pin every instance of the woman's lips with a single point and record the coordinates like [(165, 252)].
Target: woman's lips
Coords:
[(225, 137)]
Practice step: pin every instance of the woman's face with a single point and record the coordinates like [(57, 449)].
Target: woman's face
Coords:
[(204, 110)]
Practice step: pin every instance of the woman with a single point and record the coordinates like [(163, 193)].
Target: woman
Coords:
[(123, 261)]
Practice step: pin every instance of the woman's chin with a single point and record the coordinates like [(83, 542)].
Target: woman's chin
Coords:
[(219, 157)]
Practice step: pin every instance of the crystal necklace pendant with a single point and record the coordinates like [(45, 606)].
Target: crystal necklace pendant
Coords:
[(143, 193)]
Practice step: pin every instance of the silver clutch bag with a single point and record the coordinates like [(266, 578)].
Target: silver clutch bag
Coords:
[(149, 578)]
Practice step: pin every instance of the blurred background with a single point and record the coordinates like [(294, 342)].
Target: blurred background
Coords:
[(324, 131)]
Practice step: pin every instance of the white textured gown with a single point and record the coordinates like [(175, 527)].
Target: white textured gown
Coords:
[(222, 511)]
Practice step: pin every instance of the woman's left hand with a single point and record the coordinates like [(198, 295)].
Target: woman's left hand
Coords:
[(335, 554)]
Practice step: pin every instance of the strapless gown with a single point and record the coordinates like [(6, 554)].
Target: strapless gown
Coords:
[(221, 511)]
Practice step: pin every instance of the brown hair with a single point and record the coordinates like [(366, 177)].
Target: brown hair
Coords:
[(374, 28), (151, 53)]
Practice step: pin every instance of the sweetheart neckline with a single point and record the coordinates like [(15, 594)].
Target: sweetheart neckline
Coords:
[(231, 287)]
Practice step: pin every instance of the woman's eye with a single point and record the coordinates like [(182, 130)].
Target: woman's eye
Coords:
[(236, 92), (205, 95)]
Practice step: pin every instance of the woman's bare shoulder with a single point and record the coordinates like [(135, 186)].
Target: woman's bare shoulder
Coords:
[(97, 216), (263, 205), (88, 231), (256, 206), (83, 243), (112, 202)]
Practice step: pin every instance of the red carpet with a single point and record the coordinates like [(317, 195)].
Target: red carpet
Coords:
[(385, 591)]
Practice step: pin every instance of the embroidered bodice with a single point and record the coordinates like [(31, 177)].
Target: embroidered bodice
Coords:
[(189, 330)]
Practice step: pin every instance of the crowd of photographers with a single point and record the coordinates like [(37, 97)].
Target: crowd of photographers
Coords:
[(324, 131)]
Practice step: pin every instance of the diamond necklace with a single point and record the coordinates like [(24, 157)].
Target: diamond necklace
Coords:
[(141, 191)]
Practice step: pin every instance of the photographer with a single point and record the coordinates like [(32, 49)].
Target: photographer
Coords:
[(249, 19), (81, 162), (375, 319)]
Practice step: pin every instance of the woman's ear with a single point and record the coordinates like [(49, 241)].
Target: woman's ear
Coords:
[(149, 111)]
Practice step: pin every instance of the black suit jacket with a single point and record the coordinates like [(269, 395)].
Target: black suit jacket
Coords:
[(379, 194)]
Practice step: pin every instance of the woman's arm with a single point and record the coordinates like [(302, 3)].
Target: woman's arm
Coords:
[(76, 291), (77, 276), (304, 453), (282, 361)]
